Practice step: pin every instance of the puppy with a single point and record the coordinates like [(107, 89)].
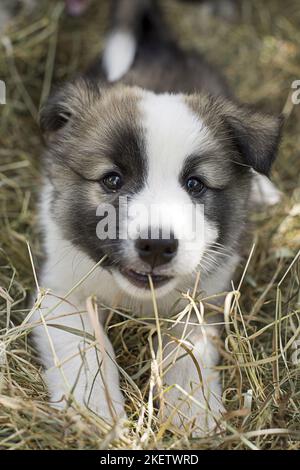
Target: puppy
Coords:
[(161, 134)]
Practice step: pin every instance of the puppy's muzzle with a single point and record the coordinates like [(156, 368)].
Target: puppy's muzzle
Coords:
[(157, 252)]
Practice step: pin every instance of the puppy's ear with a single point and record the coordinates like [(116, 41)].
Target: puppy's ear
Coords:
[(255, 135), (66, 104)]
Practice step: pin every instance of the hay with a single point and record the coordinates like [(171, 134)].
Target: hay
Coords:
[(260, 367)]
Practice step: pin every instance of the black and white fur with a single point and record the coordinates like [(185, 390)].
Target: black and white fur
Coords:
[(163, 116)]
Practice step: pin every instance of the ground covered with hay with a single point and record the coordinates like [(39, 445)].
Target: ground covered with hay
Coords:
[(260, 350)]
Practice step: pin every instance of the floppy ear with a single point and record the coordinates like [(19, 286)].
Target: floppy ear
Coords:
[(67, 103), (255, 135)]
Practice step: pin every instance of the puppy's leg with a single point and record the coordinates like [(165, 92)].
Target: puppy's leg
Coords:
[(263, 191), (193, 396), (74, 366)]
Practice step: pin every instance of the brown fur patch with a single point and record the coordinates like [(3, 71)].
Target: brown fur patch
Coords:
[(252, 137)]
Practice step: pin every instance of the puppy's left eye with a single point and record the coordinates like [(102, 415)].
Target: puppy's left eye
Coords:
[(112, 181), (195, 186)]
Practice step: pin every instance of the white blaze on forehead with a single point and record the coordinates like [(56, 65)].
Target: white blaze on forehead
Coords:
[(173, 133)]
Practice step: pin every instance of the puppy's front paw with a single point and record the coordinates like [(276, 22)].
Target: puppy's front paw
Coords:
[(193, 392), (194, 410), (108, 405)]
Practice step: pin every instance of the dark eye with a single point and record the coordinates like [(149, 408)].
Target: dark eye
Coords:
[(113, 182), (194, 186)]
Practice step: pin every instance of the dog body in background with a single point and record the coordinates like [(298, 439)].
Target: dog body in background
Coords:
[(162, 131)]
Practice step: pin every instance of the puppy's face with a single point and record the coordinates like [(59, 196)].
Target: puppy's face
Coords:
[(158, 184)]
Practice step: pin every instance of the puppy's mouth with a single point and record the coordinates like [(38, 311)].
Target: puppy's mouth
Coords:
[(141, 279)]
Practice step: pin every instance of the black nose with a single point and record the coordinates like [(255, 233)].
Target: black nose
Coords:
[(157, 252)]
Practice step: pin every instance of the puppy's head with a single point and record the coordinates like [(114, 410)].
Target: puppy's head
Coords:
[(158, 184)]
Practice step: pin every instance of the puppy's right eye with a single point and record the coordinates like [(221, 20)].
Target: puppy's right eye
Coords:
[(113, 182)]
